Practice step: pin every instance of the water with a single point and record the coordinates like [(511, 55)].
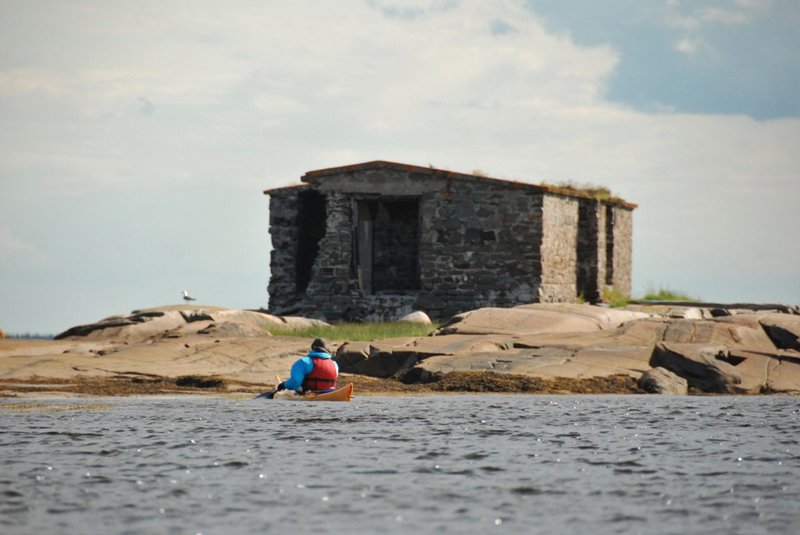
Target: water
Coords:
[(447, 464)]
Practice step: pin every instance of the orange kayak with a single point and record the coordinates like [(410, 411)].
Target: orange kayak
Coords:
[(344, 393)]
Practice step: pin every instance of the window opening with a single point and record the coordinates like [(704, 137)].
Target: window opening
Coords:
[(311, 222)]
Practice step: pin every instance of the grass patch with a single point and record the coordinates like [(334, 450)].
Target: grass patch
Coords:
[(667, 294), (359, 331), (615, 298), (601, 193)]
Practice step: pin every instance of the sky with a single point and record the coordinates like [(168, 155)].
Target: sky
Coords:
[(136, 137)]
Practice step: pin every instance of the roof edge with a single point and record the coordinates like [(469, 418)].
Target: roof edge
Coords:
[(309, 176), (281, 189)]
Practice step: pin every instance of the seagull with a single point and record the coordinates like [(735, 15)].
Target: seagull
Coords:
[(187, 297)]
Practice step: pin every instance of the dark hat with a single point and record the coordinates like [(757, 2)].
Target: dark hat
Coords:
[(320, 343)]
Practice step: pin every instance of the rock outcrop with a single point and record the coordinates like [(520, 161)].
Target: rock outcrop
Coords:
[(783, 330), (742, 353), (723, 351), (707, 368), (376, 359), (662, 381), (175, 321), (538, 318), (416, 317)]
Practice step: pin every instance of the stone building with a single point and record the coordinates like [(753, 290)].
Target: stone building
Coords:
[(377, 240)]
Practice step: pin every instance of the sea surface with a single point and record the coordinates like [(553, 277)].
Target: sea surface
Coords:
[(381, 465)]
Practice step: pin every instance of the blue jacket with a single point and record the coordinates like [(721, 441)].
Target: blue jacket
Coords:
[(303, 367)]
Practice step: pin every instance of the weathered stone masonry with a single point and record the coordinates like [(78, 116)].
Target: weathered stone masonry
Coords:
[(375, 241)]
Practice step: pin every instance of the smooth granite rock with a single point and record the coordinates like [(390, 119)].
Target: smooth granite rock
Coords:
[(707, 368), (416, 317), (662, 381)]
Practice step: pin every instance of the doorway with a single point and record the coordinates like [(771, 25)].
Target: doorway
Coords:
[(387, 244)]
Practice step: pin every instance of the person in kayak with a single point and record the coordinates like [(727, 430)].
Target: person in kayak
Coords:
[(316, 372)]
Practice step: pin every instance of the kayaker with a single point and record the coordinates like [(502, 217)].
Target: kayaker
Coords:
[(316, 372)]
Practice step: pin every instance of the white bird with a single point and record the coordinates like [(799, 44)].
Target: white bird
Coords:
[(187, 297)]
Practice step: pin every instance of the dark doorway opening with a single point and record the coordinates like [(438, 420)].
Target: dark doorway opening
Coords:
[(609, 245), (586, 266), (387, 244), (311, 222)]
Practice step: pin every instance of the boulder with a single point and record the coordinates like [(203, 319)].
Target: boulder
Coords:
[(756, 368), (350, 354), (708, 368), (296, 322), (605, 317), (181, 320), (228, 329), (689, 313), (252, 321), (511, 321), (782, 329), (537, 319), (457, 343), (662, 381), (783, 373), (673, 311), (730, 331), (416, 317), (136, 327), (375, 359)]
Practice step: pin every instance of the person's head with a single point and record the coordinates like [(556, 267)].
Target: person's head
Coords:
[(320, 345)]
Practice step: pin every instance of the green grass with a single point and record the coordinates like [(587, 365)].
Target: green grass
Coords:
[(666, 294), (601, 193), (615, 298), (359, 331)]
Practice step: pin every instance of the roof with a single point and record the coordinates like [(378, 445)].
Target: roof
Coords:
[(283, 189), (311, 176)]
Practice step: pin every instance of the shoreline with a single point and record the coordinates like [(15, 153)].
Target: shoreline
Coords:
[(452, 383), (531, 349)]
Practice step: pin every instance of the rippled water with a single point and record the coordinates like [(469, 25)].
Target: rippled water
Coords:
[(438, 464)]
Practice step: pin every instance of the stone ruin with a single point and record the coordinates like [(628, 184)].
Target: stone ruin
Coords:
[(377, 240)]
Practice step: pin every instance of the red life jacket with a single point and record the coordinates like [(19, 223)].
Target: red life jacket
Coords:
[(323, 375)]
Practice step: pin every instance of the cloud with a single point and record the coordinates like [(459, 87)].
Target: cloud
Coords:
[(695, 16), (149, 133), (14, 82), (411, 9), (724, 16), (687, 46)]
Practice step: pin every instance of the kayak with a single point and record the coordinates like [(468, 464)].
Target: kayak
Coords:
[(340, 394)]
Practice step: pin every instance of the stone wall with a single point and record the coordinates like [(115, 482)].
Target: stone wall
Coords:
[(481, 242), (478, 248), (559, 249), (283, 229), (623, 249)]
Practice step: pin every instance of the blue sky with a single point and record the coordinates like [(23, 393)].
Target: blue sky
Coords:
[(136, 137), (692, 56)]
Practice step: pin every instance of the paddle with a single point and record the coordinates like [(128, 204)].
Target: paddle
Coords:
[(270, 395)]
